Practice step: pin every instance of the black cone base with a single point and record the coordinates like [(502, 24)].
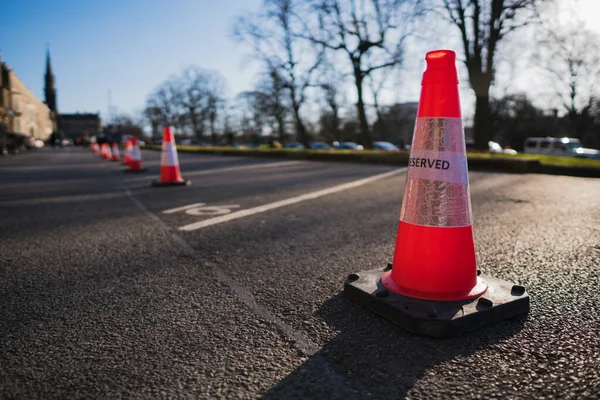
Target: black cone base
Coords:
[(185, 182), (135, 170), (501, 301)]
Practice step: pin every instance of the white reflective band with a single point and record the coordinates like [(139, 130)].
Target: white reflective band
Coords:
[(438, 166), (437, 183), (168, 157), (136, 154), (436, 203)]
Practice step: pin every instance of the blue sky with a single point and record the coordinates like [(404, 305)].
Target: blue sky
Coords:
[(128, 46), (131, 46)]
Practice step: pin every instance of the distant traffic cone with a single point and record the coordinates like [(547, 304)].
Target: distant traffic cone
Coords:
[(106, 151), (95, 148), (135, 165), (128, 150), (433, 287), (116, 156), (169, 162)]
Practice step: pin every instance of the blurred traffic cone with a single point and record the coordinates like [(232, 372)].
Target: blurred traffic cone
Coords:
[(433, 287), (128, 149), (106, 151), (135, 165), (95, 148), (116, 156), (169, 162)]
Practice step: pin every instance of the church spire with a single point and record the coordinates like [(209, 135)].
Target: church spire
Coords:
[(49, 89)]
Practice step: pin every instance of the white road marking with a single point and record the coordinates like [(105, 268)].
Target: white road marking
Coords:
[(212, 210), (287, 202), (200, 209), (227, 169), (174, 210)]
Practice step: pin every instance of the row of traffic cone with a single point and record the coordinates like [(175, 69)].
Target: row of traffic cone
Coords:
[(132, 157), (170, 175)]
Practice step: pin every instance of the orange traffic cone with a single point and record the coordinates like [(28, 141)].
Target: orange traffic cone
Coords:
[(95, 148), (433, 287), (116, 156), (128, 150), (106, 151), (169, 162), (135, 165)]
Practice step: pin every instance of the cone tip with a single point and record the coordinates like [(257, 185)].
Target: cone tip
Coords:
[(441, 59), (168, 134), (439, 95)]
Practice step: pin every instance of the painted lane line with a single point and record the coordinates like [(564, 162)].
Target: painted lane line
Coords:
[(174, 210), (287, 202), (227, 169), (212, 210)]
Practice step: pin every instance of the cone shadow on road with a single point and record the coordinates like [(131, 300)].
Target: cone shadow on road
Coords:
[(372, 356)]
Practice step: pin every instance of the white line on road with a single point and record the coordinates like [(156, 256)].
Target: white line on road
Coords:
[(174, 210), (287, 202), (227, 169)]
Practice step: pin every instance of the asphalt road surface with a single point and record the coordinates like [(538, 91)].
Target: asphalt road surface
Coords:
[(235, 290)]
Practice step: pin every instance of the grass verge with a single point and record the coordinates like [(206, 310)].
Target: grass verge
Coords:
[(520, 163)]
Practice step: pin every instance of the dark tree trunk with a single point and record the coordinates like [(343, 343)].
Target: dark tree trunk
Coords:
[(300, 128), (155, 132), (212, 131), (337, 132), (365, 137), (481, 125), (281, 129)]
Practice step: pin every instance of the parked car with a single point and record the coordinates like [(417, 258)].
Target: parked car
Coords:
[(385, 146), (14, 142), (320, 146), (348, 146), (566, 147), (496, 148), (293, 145)]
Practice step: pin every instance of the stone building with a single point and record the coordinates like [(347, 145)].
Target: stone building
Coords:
[(21, 111)]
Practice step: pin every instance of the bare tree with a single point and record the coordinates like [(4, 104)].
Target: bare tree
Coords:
[(482, 25), (154, 117), (163, 102), (276, 105), (331, 81), (357, 29), (215, 100), (273, 35), (331, 120), (227, 116), (251, 106), (190, 102), (571, 57), (376, 84), (192, 97)]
